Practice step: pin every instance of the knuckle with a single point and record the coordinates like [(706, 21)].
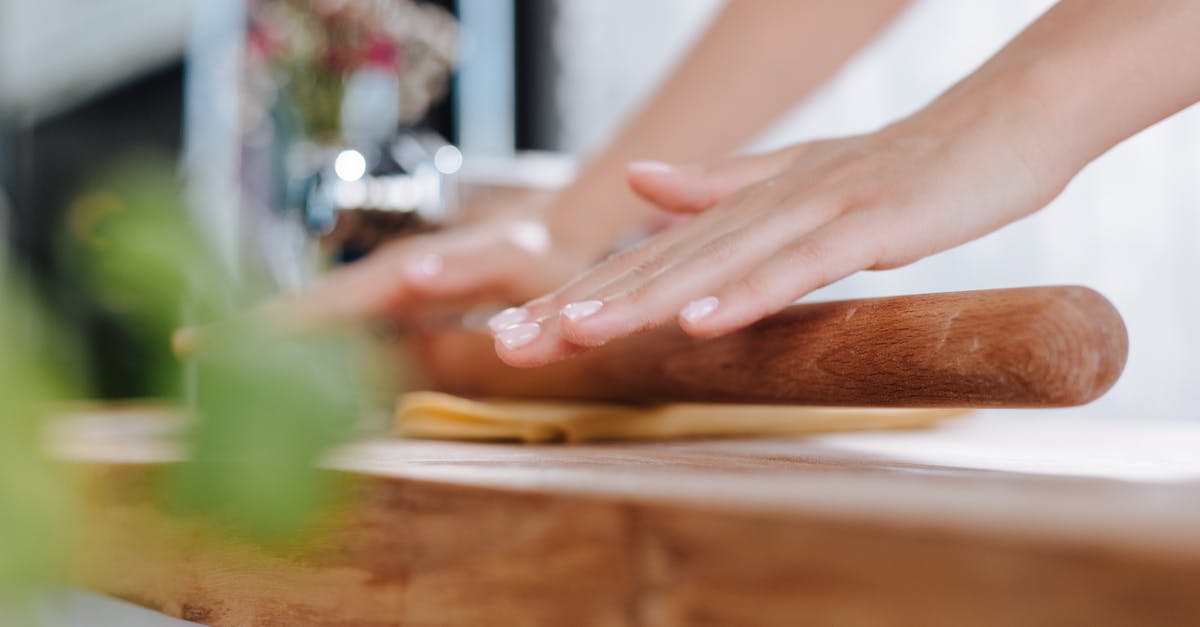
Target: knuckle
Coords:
[(638, 299), (878, 256), (885, 257), (719, 250), (807, 253), (815, 200), (645, 268), (756, 289), (846, 201), (880, 248)]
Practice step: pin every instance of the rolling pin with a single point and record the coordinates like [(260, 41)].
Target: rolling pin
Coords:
[(1024, 347)]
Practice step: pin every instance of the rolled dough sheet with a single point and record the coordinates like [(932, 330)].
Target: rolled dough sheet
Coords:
[(433, 415)]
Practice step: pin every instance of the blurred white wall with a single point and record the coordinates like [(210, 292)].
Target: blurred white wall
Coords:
[(1127, 226), (56, 53), (484, 110), (611, 53)]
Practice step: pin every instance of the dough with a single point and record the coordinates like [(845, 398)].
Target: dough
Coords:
[(441, 416)]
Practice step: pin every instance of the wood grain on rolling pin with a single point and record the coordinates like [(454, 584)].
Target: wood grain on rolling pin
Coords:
[(1022, 347)]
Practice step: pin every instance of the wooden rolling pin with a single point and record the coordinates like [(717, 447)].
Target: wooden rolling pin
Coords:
[(1024, 347)]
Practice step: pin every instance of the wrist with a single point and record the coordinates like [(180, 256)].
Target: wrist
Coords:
[(1010, 110)]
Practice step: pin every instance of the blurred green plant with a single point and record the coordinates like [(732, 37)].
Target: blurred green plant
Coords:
[(34, 498), (266, 403), (269, 407), (266, 406)]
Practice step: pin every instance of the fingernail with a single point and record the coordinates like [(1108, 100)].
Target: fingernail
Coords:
[(425, 266), (651, 167), (581, 310), (697, 309), (507, 318), (519, 335)]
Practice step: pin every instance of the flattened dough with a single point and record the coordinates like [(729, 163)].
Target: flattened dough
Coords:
[(433, 415)]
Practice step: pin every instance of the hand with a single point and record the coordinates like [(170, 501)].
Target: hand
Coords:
[(769, 229), (507, 256)]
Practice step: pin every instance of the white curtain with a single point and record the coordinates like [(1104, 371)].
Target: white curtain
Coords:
[(1127, 226)]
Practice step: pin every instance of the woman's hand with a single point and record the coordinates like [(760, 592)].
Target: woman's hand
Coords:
[(997, 146), (507, 256), (771, 228)]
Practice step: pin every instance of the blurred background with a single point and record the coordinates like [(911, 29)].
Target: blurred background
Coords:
[(305, 131)]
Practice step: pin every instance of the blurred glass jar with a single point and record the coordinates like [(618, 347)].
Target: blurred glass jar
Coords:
[(340, 89)]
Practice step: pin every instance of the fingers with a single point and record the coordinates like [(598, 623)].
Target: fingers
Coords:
[(731, 182), (360, 290), (641, 261), (830, 253), (530, 335), (533, 344), (366, 288), (732, 283), (657, 300), (692, 189), (398, 276)]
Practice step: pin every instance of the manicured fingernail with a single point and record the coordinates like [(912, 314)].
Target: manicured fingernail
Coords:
[(507, 318), (581, 310), (519, 335), (697, 309), (426, 266), (651, 167)]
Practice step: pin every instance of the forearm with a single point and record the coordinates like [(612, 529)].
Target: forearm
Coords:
[(1082, 78), (756, 60)]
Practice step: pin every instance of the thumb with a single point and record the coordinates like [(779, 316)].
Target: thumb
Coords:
[(695, 188)]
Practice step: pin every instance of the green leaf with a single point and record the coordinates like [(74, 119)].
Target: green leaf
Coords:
[(269, 406)]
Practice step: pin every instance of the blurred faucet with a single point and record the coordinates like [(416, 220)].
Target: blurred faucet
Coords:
[(355, 197)]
